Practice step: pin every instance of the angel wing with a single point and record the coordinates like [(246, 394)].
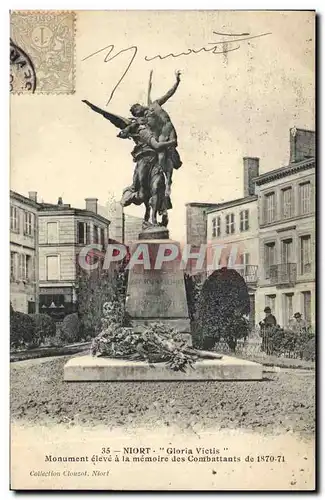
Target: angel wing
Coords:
[(116, 120)]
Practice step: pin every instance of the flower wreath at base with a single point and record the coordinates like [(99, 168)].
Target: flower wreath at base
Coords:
[(155, 344)]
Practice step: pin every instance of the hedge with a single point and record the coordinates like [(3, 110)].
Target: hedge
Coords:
[(22, 330), (44, 328)]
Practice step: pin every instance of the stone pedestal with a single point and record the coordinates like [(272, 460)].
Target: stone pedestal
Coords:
[(88, 368), (157, 295)]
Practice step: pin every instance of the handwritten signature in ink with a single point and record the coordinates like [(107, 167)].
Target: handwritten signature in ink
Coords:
[(217, 47)]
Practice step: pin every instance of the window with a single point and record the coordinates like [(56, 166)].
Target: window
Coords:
[(244, 221), (287, 203), (286, 251), (270, 302), (24, 267), (46, 300), (102, 236), (14, 219), (305, 254), (96, 238), (216, 226), (269, 208), (52, 232), (13, 266), (245, 267), (52, 267), (304, 198), (244, 259), (230, 224), (83, 233), (28, 223), (307, 306), (269, 257), (288, 308)]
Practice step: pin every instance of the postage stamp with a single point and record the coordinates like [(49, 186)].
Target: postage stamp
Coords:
[(42, 52)]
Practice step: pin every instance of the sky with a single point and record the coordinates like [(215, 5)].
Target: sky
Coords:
[(228, 105)]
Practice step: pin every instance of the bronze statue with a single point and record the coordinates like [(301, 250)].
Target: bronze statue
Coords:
[(155, 155), (165, 131)]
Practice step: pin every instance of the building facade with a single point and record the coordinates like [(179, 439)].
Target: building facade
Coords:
[(269, 234), (197, 232), (232, 232), (286, 200), (24, 252), (63, 232), (123, 228)]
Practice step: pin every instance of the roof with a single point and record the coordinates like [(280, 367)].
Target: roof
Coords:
[(51, 209), (290, 169), (24, 199), (201, 204), (58, 209), (233, 203)]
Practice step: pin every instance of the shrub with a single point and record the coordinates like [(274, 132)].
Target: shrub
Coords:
[(223, 302), (70, 329), (44, 328), (22, 330), (309, 350), (55, 341), (290, 343)]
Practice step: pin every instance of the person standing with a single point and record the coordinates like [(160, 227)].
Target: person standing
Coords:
[(298, 324), (266, 324), (269, 319)]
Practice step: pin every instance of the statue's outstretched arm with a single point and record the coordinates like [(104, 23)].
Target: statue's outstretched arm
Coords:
[(171, 91)]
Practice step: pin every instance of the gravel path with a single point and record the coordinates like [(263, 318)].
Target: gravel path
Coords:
[(283, 402)]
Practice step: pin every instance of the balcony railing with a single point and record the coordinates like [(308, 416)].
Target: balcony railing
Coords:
[(248, 272), (283, 274)]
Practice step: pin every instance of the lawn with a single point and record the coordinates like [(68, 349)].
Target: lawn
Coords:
[(282, 402)]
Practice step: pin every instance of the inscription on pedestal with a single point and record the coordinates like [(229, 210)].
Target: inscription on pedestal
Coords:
[(155, 295)]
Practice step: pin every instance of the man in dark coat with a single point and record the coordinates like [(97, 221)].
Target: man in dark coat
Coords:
[(268, 322)]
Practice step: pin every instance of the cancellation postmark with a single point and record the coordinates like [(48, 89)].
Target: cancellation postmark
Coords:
[(22, 72), (47, 41)]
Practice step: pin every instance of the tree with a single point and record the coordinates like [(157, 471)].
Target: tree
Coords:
[(223, 302)]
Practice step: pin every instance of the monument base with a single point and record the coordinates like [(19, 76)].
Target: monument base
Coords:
[(157, 293), (101, 369)]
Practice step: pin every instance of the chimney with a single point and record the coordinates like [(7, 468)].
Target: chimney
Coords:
[(251, 170), (302, 144), (91, 204), (60, 201), (32, 195)]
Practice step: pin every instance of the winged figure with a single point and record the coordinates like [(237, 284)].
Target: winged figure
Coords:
[(149, 180), (116, 120)]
